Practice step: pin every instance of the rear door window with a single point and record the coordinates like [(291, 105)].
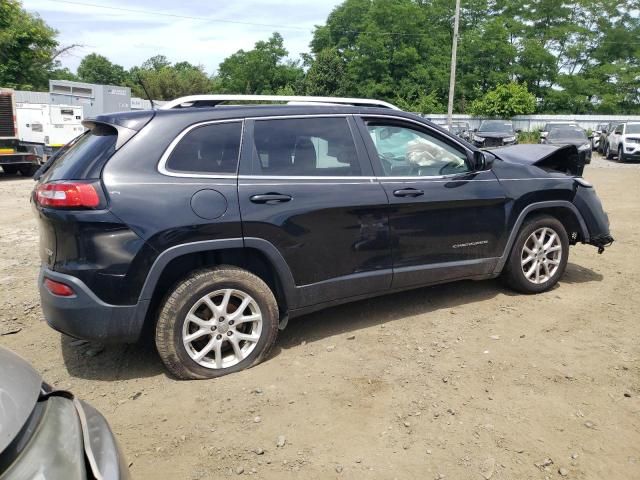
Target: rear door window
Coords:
[(304, 147), (78, 159), (207, 149)]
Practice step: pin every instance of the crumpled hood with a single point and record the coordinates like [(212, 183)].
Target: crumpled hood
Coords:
[(561, 158)]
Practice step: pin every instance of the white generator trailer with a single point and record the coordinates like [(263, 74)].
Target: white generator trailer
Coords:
[(32, 132)]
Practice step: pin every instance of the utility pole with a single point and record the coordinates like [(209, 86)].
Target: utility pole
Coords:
[(454, 51)]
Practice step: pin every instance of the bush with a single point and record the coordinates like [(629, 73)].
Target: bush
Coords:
[(505, 101)]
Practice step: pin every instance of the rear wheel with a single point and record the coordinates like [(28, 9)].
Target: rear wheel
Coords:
[(538, 257), (10, 169), (215, 322)]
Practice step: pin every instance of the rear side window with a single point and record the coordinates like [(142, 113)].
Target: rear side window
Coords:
[(83, 157), (209, 149), (304, 147)]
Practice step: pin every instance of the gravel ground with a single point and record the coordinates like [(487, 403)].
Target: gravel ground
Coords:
[(466, 380)]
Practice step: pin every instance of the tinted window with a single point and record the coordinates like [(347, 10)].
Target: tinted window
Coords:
[(77, 160), (304, 147), (405, 152), (208, 149), (633, 128)]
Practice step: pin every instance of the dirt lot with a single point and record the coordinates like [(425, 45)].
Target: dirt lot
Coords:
[(460, 381)]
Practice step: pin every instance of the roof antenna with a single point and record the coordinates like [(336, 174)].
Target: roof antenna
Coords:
[(146, 92)]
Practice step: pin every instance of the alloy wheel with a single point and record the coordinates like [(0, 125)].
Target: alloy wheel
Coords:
[(541, 255), (222, 328)]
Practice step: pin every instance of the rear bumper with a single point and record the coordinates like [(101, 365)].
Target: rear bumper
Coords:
[(87, 317)]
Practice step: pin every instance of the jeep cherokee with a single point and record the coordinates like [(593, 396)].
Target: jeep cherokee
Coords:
[(207, 226)]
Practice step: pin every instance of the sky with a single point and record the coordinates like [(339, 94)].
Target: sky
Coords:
[(219, 28)]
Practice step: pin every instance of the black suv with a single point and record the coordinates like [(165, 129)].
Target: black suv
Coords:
[(209, 226)]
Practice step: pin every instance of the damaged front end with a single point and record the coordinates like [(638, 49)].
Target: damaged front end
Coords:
[(564, 160)]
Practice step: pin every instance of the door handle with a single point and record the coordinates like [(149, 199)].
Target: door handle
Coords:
[(408, 192), (270, 198)]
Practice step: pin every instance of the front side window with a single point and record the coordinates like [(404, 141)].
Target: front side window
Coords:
[(304, 147), (405, 152), (208, 149), (618, 130)]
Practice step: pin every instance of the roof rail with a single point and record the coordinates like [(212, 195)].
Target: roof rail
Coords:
[(213, 100)]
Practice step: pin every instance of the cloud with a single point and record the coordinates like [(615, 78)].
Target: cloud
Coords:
[(212, 31)]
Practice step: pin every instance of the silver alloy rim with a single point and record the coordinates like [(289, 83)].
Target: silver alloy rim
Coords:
[(222, 328), (541, 255)]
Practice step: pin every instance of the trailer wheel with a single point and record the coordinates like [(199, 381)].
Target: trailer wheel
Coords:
[(28, 170), (10, 169)]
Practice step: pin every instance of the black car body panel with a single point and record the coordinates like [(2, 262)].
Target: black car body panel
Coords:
[(316, 240)]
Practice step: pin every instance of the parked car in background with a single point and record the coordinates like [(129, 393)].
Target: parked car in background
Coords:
[(462, 129), (550, 125), (571, 136), (624, 142), (208, 228), (595, 135), (494, 133), (49, 434), (604, 136)]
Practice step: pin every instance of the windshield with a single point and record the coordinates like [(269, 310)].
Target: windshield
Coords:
[(633, 128), (567, 134), (496, 126)]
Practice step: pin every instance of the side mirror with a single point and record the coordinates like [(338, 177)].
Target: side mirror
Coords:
[(518, 130), (482, 161), (475, 130)]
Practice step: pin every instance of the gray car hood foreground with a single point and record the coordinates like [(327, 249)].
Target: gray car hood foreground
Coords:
[(562, 158), (20, 388)]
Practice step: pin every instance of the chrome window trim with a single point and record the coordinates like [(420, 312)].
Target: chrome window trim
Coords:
[(167, 153), (162, 165), (364, 116)]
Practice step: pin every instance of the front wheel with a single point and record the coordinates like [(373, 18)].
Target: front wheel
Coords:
[(621, 158), (607, 152), (538, 257), (216, 321)]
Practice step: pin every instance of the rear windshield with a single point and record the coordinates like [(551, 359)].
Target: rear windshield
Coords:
[(84, 157)]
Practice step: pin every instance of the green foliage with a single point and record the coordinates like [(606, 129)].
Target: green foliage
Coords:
[(27, 48), (575, 57), (421, 103), (504, 101), (529, 137), (95, 68), (165, 81), (263, 70)]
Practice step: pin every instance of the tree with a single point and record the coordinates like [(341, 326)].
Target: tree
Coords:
[(326, 74), (505, 101), (27, 48), (165, 81), (263, 70), (96, 68)]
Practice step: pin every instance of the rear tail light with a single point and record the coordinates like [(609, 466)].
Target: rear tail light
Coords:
[(68, 195), (58, 288)]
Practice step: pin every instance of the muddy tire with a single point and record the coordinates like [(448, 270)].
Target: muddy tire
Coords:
[(538, 257), (216, 321)]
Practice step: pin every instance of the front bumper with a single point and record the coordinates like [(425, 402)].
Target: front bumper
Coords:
[(85, 316), (493, 143), (632, 152), (594, 216)]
